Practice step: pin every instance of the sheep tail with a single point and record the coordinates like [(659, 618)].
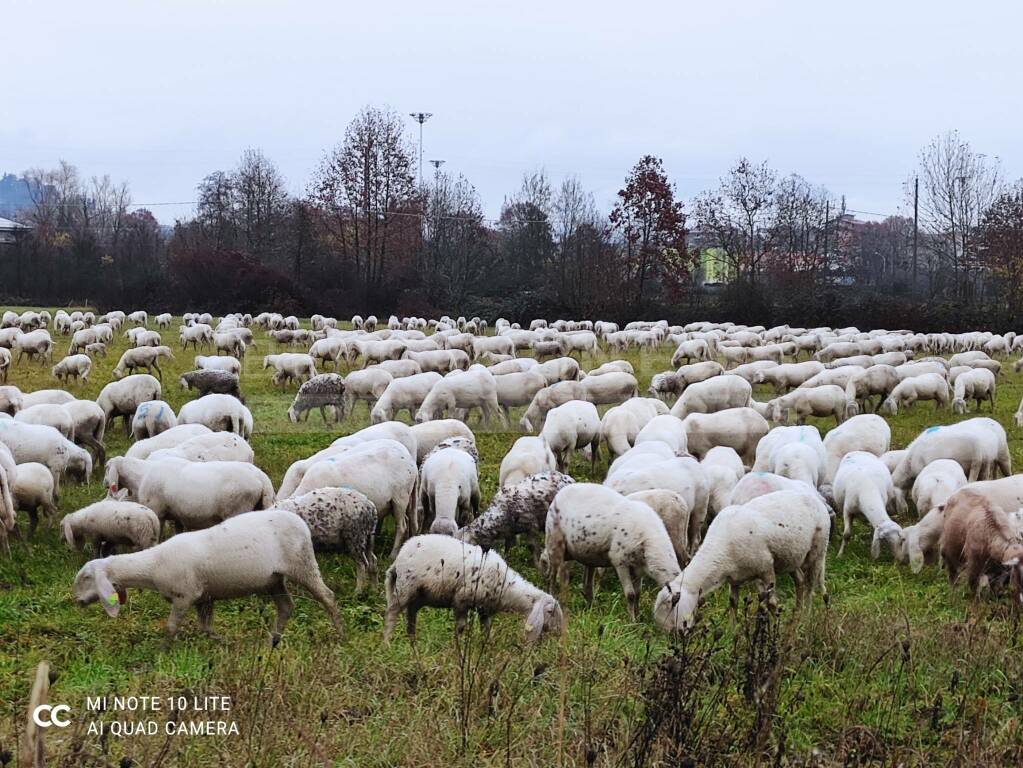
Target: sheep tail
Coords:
[(390, 581)]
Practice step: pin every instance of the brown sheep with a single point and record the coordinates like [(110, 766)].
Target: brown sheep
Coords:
[(980, 538)]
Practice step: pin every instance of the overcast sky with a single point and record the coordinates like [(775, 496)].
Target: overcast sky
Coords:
[(161, 93)]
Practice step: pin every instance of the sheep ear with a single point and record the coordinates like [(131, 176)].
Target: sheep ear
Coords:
[(121, 495), (535, 622), (69, 533), (875, 546), (110, 598)]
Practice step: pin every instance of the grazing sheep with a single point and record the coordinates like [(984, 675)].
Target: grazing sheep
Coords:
[(250, 554), (208, 446), (865, 432), (430, 433), (518, 388), (290, 366), (109, 523), (34, 344), (863, 486), (442, 572), (45, 445), (475, 388), (121, 398), (219, 363), (876, 380), (50, 415), (32, 490), (979, 536), (758, 483), (977, 384), (5, 364), (928, 386), (528, 456), (782, 532), (367, 385), (151, 418), (611, 388), (212, 381), (71, 367), (621, 425), (383, 470), (173, 436), (737, 428), (325, 390), (11, 399), (561, 369), (516, 509), (341, 521), (449, 490), (142, 357), (935, 484), (96, 350), (825, 400), (787, 376), (441, 361), (404, 394), (573, 425), (612, 366), (667, 429), (723, 469), (191, 494), (218, 412), (599, 527), (46, 397), (920, 544)]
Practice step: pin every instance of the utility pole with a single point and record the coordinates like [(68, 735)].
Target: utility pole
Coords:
[(916, 223), (420, 117), (436, 165)]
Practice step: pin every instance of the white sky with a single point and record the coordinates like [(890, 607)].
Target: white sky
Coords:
[(160, 93)]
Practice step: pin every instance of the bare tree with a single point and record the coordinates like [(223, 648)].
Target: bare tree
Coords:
[(957, 185)]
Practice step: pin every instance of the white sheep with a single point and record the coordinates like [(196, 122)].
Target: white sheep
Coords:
[(865, 432), (723, 469), (218, 363), (442, 572), (611, 388), (449, 490), (573, 425), (863, 486), (209, 446), (599, 527), (976, 384), (142, 357), (667, 429), (121, 398), (191, 494), (715, 394), (527, 456), (173, 436), (218, 412), (475, 388), (50, 415), (822, 401), (109, 523), (72, 367), (782, 532), (403, 394), (935, 483), (290, 366), (151, 418), (366, 385), (737, 428), (621, 424), (441, 361), (429, 433), (518, 389), (681, 474), (33, 490), (45, 445), (920, 543), (928, 386), (250, 554), (383, 470), (34, 344)]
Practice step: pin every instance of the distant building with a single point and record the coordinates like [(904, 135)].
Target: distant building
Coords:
[(10, 231), (16, 195)]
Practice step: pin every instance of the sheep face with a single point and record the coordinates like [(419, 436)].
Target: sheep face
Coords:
[(675, 608), (546, 616), (92, 586)]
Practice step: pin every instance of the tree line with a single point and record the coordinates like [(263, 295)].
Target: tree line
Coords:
[(364, 236)]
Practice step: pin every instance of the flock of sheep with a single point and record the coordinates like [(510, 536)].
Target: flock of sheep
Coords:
[(706, 486)]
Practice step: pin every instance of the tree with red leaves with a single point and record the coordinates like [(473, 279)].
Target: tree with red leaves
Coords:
[(653, 228)]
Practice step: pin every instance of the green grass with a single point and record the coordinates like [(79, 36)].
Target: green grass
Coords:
[(897, 668)]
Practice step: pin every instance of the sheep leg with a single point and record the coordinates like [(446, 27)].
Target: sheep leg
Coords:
[(179, 607), (282, 600), (625, 576), (410, 622), (733, 603), (313, 582), (846, 530), (204, 611), (800, 581), (588, 585)]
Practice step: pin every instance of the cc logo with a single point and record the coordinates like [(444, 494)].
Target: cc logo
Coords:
[(46, 715)]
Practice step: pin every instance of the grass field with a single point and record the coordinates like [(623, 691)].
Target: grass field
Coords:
[(896, 669)]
